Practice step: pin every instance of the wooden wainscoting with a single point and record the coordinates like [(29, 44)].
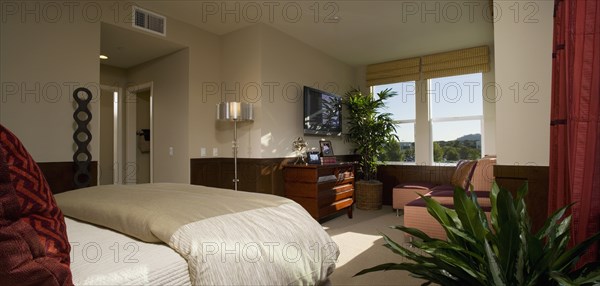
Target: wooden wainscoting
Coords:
[(263, 175), (255, 175), (392, 175), (513, 177), (60, 175)]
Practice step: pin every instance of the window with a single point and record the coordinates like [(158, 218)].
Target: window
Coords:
[(402, 108), (456, 116), (447, 124), (453, 106)]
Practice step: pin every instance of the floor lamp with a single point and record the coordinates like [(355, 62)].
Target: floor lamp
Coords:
[(236, 112)]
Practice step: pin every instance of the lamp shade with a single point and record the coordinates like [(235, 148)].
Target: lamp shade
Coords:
[(234, 111)]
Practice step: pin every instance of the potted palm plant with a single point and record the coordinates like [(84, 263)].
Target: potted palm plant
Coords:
[(370, 130)]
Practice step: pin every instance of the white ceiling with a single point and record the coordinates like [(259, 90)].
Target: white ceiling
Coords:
[(126, 48), (357, 32)]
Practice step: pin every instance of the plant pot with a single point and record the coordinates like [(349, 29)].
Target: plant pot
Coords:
[(368, 194)]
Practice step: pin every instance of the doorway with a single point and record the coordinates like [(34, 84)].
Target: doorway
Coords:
[(139, 155)]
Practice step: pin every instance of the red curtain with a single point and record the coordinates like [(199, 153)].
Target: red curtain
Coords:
[(575, 118)]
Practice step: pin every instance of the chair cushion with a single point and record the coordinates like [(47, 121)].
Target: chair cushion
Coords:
[(447, 197), (463, 173), (416, 185), (442, 188), (37, 222), (405, 193), (420, 202)]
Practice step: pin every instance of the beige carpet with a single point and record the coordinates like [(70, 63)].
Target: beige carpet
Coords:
[(361, 246)]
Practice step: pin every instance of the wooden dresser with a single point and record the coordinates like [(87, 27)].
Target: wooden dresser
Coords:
[(321, 189)]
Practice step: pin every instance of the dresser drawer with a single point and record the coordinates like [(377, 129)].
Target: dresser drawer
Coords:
[(328, 185), (333, 190), (334, 207), (332, 197), (321, 189)]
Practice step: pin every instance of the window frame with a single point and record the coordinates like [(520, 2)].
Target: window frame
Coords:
[(433, 120), (403, 121), (425, 99)]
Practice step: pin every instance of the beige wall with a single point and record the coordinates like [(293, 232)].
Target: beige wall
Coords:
[(45, 57), (42, 63), (65, 54), (523, 56), (291, 64), (185, 135), (241, 66), (106, 156), (169, 78), (204, 67), (113, 76), (268, 68)]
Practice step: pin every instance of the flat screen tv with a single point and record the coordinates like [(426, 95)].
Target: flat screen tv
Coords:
[(322, 112)]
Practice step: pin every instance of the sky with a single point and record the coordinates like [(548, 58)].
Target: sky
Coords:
[(450, 97)]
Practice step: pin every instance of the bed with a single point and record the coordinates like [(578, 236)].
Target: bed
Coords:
[(178, 234), (100, 256), (151, 234)]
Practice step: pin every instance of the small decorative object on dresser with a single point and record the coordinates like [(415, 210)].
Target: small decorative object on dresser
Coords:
[(321, 189), (314, 156), (300, 148), (328, 160), (326, 149)]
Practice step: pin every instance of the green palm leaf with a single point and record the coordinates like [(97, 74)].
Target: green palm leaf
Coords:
[(588, 274), (468, 213), (495, 271), (508, 234), (572, 255)]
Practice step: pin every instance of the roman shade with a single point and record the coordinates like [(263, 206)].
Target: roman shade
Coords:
[(458, 62), (394, 71), (465, 61)]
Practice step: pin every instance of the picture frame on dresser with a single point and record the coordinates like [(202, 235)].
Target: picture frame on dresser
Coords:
[(313, 157), (326, 148)]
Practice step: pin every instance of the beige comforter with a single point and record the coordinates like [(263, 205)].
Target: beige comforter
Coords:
[(227, 237)]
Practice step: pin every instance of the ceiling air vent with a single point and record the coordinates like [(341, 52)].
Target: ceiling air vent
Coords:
[(149, 21)]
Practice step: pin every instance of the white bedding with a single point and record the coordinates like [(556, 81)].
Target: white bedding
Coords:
[(100, 256), (270, 246), (226, 237)]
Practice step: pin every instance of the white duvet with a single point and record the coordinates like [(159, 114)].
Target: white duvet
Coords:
[(227, 237), (100, 256)]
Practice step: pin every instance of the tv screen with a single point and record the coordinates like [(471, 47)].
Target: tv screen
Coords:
[(322, 112)]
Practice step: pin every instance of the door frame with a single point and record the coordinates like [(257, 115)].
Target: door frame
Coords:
[(117, 132), (130, 174)]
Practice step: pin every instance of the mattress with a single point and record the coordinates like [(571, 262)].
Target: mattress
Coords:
[(100, 256)]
